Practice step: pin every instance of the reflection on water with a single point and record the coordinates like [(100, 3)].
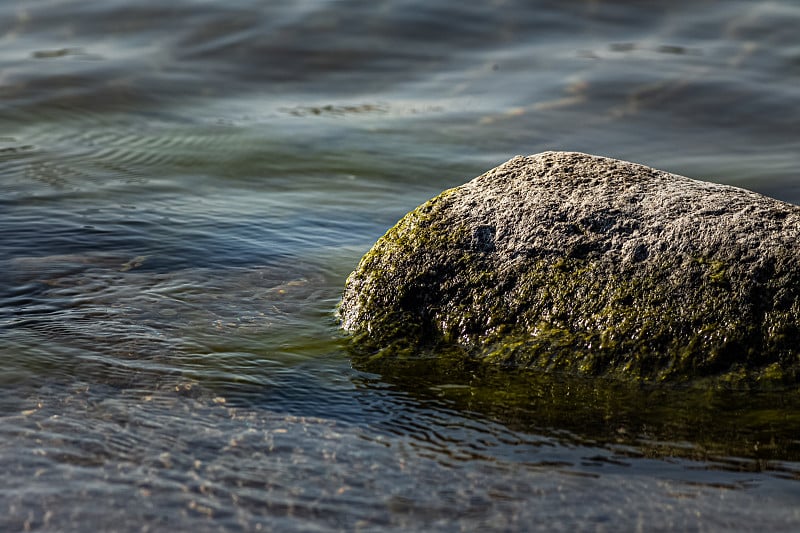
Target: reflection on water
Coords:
[(184, 188), (743, 429)]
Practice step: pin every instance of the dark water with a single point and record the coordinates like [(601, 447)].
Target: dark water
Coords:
[(185, 185)]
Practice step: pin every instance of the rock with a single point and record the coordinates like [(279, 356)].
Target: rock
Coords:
[(572, 263)]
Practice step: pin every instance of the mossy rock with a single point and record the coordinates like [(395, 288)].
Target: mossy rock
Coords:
[(584, 265)]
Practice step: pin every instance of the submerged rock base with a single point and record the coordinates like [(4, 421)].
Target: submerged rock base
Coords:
[(567, 262)]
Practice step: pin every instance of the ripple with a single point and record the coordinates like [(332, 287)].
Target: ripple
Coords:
[(208, 463), (184, 187)]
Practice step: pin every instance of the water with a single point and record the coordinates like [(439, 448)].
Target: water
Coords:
[(184, 187)]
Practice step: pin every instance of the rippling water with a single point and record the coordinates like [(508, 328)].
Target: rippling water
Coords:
[(184, 187)]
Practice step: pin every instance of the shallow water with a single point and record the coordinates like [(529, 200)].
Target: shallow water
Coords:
[(184, 188)]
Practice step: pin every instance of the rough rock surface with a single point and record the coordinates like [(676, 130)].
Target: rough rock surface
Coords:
[(587, 265)]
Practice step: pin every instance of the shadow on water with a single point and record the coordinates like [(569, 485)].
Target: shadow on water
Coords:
[(740, 430)]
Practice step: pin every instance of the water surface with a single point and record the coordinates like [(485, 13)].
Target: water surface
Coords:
[(184, 188)]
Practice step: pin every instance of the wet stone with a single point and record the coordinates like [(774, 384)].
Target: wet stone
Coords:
[(571, 263)]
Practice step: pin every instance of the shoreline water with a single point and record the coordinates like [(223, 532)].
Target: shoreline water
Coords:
[(184, 188)]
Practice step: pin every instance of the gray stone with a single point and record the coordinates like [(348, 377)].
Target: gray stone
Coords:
[(587, 265)]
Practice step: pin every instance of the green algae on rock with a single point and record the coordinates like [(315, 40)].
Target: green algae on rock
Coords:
[(585, 265)]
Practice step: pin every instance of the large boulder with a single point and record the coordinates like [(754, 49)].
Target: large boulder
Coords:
[(587, 265)]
